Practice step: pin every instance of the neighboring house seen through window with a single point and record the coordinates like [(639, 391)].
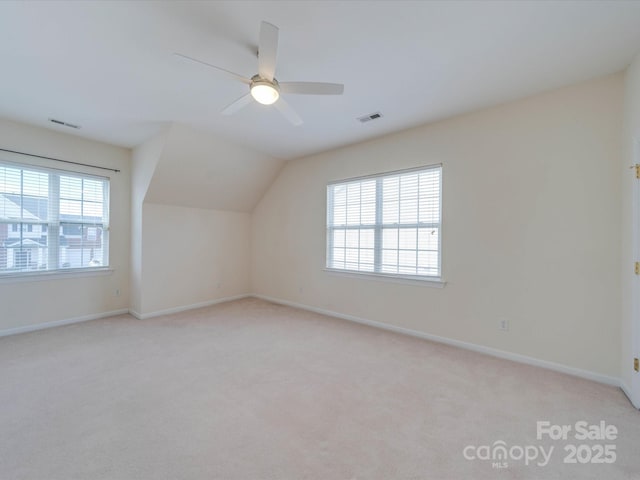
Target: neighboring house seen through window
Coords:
[(386, 224), (52, 220)]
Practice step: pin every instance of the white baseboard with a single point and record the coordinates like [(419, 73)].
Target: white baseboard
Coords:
[(183, 308), (58, 323), (385, 326), (536, 362), (627, 391)]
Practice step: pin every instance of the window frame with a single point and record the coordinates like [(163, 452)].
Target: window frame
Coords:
[(379, 227), (55, 226)]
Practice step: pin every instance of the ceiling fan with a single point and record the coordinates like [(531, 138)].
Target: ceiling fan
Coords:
[(263, 87)]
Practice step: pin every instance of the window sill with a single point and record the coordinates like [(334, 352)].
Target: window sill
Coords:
[(54, 274), (381, 277)]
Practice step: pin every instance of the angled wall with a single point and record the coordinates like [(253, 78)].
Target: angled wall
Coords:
[(200, 170), (192, 197)]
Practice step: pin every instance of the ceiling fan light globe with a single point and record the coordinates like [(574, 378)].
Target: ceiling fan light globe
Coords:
[(264, 93)]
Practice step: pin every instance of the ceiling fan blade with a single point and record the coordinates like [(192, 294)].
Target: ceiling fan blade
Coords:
[(236, 105), (288, 112), (267, 51), (234, 75), (312, 88)]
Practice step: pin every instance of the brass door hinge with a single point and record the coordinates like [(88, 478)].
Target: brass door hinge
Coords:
[(636, 365), (637, 168), (636, 269)]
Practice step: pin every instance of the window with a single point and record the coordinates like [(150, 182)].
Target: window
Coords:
[(52, 220), (386, 224)]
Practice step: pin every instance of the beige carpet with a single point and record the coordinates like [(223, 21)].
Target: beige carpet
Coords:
[(252, 390)]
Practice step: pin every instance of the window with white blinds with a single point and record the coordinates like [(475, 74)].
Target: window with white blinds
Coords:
[(386, 224), (52, 220)]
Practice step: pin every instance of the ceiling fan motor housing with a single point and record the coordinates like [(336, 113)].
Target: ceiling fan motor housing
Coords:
[(264, 91)]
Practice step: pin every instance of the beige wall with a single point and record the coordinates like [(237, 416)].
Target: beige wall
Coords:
[(192, 256), (26, 303), (531, 213), (183, 255), (532, 195)]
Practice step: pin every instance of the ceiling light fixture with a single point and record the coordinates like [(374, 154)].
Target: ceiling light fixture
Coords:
[(264, 91)]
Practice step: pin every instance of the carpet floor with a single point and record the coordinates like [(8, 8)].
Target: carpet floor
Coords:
[(252, 390)]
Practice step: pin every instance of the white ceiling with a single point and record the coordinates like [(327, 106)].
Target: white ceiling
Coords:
[(108, 66)]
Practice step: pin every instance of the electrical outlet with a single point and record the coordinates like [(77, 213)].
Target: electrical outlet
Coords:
[(503, 325)]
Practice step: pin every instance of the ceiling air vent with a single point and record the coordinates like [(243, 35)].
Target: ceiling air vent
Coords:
[(371, 116), (64, 124)]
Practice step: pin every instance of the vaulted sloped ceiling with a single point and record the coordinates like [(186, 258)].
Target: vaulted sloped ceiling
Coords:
[(198, 169), (109, 67)]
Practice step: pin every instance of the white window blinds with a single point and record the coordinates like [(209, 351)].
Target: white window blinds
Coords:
[(51, 219), (387, 224)]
